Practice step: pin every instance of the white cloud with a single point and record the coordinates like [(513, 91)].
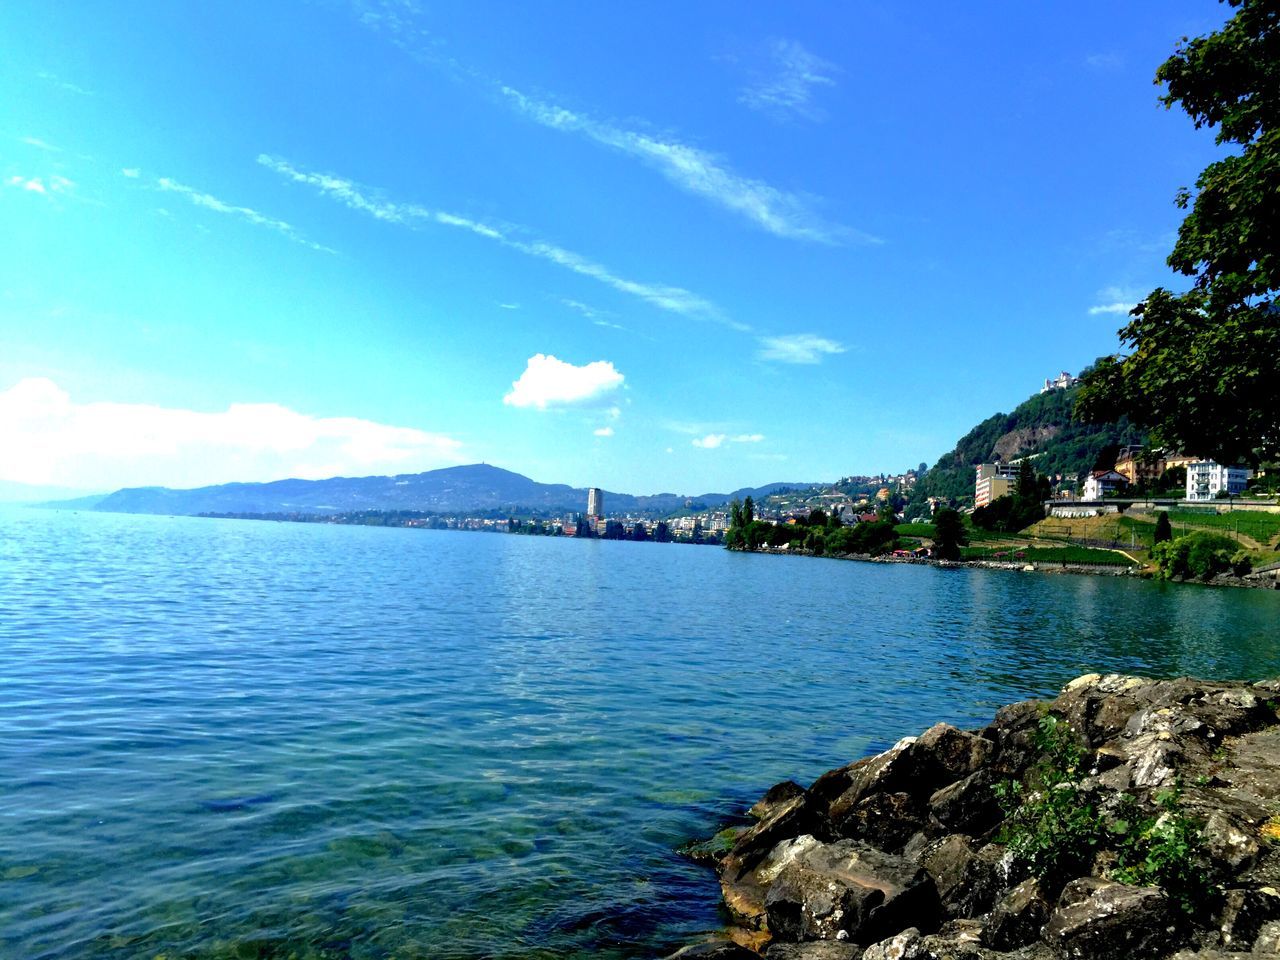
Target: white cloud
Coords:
[(696, 171), (210, 202), (64, 84), (604, 432), (1121, 308), (788, 89), (509, 306), (548, 382), (713, 440), (667, 297), (798, 348), (1104, 62), (133, 173), (45, 186), (39, 144), (49, 438)]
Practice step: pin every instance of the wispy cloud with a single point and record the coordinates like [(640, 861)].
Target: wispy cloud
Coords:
[(50, 437), (696, 171), (1111, 308), (603, 432), (39, 144), (67, 85), (133, 173), (548, 383), (798, 348), (509, 306), (209, 202), (360, 198), (781, 212), (1106, 62), (786, 90), (714, 440), (50, 186)]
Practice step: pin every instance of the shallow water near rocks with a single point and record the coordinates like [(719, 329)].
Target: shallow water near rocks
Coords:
[(246, 739)]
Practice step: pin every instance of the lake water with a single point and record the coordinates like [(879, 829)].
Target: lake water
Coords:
[(245, 739)]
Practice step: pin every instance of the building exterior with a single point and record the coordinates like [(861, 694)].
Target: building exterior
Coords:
[(1061, 382), (1100, 483), (1135, 467), (993, 480), (1207, 479), (595, 502)]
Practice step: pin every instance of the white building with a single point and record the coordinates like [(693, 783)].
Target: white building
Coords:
[(1100, 483), (1062, 381), (595, 502), (1206, 479)]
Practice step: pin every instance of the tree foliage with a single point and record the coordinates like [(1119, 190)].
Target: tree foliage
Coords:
[(1202, 366), (948, 534)]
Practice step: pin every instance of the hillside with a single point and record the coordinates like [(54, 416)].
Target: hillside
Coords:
[(1040, 425), (471, 488)]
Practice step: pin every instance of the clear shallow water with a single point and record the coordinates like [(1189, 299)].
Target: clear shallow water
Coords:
[(242, 739)]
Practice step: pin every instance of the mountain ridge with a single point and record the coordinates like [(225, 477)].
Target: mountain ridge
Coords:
[(459, 489)]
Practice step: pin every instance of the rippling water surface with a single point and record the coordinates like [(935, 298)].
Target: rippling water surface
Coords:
[(245, 739)]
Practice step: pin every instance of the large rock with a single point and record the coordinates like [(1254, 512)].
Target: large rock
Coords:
[(814, 950), (884, 799), (1244, 913), (714, 950), (1018, 918), (744, 892), (775, 797), (968, 880), (1113, 920), (849, 890), (966, 806), (786, 821)]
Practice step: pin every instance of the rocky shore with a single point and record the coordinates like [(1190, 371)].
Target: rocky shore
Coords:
[(1127, 818)]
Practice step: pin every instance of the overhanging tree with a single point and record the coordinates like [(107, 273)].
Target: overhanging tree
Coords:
[(1203, 371)]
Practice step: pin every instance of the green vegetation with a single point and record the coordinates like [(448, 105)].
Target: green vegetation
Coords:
[(1041, 425), (922, 530), (1055, 831), (949, 534), (1200, 556), (1089, 556), (1252, 523), (1203, 365), (1019, 509), (1163, 531)]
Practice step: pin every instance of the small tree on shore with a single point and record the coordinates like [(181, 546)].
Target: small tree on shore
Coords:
[(1164, 531), (948, 534)]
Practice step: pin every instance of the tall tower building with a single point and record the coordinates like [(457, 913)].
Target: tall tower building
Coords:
[(595, 502)]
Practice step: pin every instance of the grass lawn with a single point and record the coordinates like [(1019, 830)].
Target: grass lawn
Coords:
[(914, 530), (1048, 555), (1260, 526)]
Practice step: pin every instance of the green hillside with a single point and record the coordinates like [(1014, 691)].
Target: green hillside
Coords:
[(1041, 425)]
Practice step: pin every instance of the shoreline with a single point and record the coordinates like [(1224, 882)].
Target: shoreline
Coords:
[(1266, 579), (1127, 817)]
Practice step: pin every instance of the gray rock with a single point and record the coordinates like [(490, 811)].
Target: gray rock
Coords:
[(814, 950), (1267, 943), (787, 820), (1244, 913), (714, 950), (1228, 843), (901, 946), (774, 797), (1017, 919), (966, 806), (1115, 920), (849, 890)]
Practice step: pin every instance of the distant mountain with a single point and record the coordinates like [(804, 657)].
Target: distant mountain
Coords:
[(472, 488), (1041, 425), (13, 492)]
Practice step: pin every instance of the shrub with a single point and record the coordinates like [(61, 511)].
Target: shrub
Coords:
[(1200, 554)]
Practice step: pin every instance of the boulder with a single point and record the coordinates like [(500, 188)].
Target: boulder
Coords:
[(968, 880), (1112, 920), (901, 946), (849, 890), (814, 950), (966, 806), (1229, 843), (714, 950), (775, 797), (1243, 915), (1267, 943), (744, 892), (1017, 918), (786, 821)]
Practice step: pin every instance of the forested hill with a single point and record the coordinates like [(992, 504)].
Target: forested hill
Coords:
[(1040, 425)]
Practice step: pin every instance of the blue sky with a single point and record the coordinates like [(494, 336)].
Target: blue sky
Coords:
[(683, 247)]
